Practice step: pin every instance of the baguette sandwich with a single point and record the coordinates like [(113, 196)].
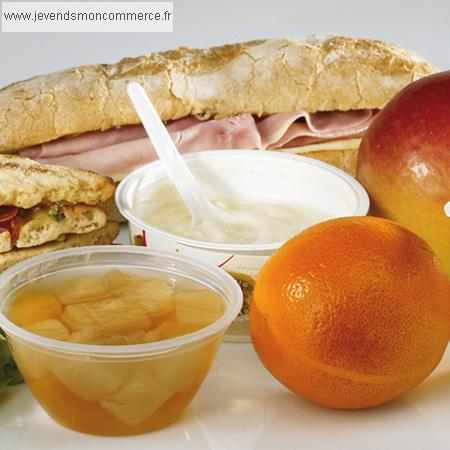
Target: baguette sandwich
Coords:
[(45, 208), (312, 96)]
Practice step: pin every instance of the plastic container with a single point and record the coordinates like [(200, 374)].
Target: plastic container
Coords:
[(125, 389), (243, 173)]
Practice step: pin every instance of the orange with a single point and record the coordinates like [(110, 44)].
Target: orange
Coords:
[(351, 312)]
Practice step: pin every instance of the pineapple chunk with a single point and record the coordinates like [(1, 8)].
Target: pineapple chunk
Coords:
[(137, 399), (50, 328), (33, 365), (138, 337), (88, 335), (196, 317), (152, 335), (177, 373), (85, 288), (155, 296), (90, 380), (98, 336), (113, 316), (118, 280), (168, 330), (202, 299), (34, 307)]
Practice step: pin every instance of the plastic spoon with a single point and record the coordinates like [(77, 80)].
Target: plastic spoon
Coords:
[(187, 186)]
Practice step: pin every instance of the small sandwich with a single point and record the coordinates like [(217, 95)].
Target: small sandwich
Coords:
[(45, 208), (314, 96)]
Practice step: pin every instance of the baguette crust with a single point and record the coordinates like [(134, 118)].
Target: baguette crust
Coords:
[(104, 236), (25, 183), (259, 77)]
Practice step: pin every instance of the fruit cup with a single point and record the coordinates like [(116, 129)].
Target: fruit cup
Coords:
[(116, 389)]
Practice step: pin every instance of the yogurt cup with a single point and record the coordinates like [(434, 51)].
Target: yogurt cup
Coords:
[(240, 174)]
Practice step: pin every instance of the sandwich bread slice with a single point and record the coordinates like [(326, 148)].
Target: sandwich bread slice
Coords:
[(44, 208), (102, 236), (313, 96)]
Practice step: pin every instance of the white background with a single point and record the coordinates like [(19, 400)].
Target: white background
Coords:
[(423, 26)]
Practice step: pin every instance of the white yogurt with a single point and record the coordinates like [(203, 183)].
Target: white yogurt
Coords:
[(255, 220)]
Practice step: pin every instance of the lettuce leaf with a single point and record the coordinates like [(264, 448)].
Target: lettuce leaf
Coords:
[(9, 373)]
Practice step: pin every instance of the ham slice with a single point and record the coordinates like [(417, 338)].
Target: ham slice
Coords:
[(280, 130), (98, 139), (234, 132), (84, 142), (124, 149)]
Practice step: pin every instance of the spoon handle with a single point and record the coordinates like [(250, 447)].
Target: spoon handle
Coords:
[(176, 168)]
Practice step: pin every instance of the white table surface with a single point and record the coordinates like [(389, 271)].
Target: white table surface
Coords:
[(241, 407)]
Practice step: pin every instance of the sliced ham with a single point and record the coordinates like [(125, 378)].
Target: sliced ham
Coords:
[(94, 140), (279, 130), (182, 124), (235, 132), (85, 142), (123, 149)]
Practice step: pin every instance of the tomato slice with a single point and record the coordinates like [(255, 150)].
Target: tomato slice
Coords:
[(13, 226), (9, 221), (14, 229), (8, 212)]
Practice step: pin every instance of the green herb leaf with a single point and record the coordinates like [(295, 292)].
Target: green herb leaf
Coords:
[(56, 215), (9, 373)]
